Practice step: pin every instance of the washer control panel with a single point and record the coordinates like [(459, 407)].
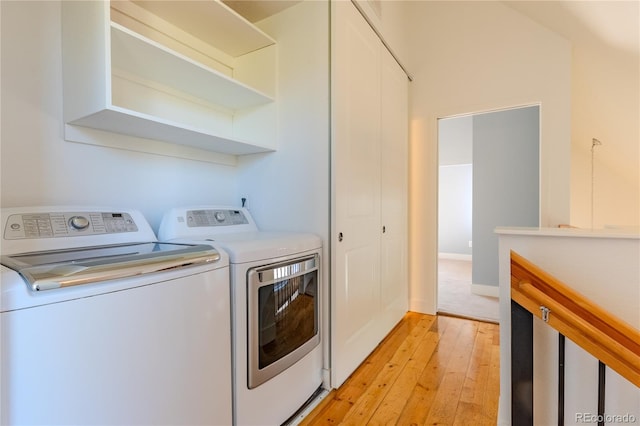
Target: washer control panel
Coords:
[(215, 217), (66, 224)]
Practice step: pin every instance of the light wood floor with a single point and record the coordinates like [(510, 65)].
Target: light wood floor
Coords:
[(430, 370)]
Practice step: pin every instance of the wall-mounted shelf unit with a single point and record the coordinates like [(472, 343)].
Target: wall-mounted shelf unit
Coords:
[(211, 20), (191, 73), (151, 61)]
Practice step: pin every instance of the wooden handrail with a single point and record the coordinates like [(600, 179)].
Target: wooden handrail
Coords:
[(606, 337)]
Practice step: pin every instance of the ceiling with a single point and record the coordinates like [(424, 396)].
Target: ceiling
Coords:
[(614, 24)]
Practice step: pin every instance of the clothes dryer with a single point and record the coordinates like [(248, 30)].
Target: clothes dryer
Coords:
[(275, 287)]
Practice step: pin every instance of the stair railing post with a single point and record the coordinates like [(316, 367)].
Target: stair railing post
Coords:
[(521, 366)]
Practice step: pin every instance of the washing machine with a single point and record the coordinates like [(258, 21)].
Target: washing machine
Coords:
[(101, 324), (275, 288)]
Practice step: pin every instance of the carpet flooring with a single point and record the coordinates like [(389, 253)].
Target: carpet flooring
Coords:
[(455, 296)]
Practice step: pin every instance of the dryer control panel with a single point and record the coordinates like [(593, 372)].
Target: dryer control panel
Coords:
[(215, 217), (66, 224)]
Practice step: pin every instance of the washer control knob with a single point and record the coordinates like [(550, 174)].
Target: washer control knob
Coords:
[(79, 222), (220, 216)]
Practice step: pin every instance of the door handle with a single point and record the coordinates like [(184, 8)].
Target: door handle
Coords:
[(340, 237)]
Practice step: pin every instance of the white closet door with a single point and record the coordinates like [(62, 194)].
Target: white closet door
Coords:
[(394, 286), (356, 190)]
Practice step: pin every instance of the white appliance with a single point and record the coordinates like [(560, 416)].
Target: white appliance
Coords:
[(275, 282), (102, 325)]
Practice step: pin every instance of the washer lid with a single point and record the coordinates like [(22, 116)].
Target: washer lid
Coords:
[(62, 268)]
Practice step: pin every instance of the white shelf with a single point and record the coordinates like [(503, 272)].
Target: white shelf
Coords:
[(133, 123), (151, 61), (120, 81), (211, 21)]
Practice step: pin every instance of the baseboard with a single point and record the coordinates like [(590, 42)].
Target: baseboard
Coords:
[(485, 290), (454, 256), (422, 306)]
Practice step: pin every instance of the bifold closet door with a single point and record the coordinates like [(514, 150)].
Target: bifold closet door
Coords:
[(356, 190), (394, 192), (369, 171)]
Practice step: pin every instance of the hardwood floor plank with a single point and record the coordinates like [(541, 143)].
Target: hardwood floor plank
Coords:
[(417, 408), (445, 404), (470, 409), (396, 398), (345, 397), (431, 370), (367, 405), (490, 402)]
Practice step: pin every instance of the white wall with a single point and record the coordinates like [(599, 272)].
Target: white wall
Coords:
[(470, 57), (389, 19), (605, 104), (455, 185), (615, 195), (289, 190), (40, 168), (455, 200)]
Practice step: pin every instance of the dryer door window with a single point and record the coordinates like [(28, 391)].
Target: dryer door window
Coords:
[(283, 322)]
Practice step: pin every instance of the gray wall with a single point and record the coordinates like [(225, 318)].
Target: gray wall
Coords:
[(505, 182)]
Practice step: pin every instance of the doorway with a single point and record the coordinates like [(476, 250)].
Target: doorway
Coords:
[(488, 177)]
